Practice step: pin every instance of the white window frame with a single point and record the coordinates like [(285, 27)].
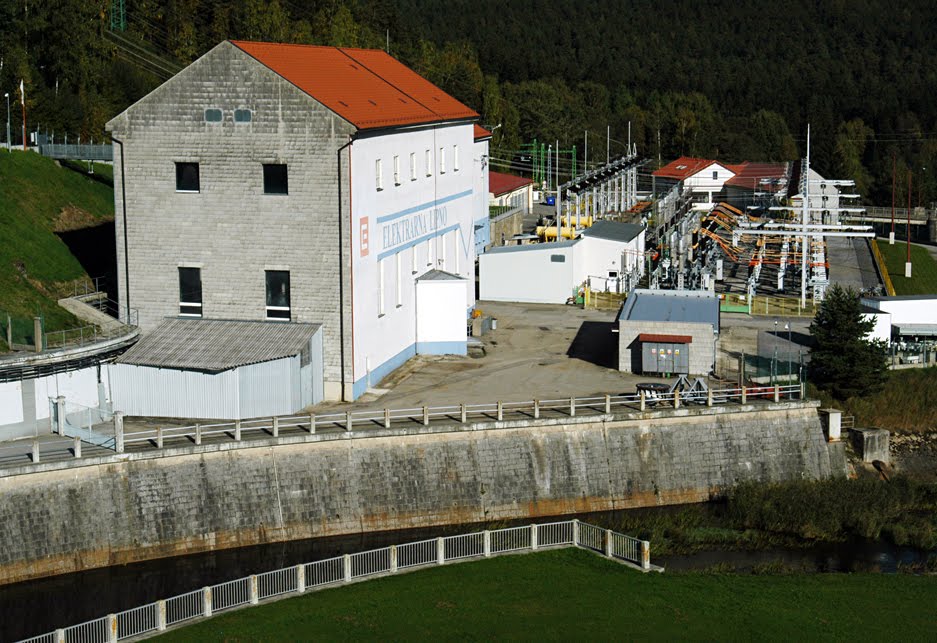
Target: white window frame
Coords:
[(442, 160), (396, 169), (413, 166), (429, 251), (379, 174), (380, 288), (442, 259), (413, 261), (429, 162), (455, 158)]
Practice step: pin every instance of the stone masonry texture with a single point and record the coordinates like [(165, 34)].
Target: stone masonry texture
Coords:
[(62, 521), (230, 228)]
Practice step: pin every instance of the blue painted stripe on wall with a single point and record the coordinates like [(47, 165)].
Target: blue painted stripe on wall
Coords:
[(442, 348), (381, 371), (423, 206), (410, 244)]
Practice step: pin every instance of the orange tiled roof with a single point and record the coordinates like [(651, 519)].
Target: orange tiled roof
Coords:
[(755, 175), (684, 167), (481, 132), (500, 183), (366, 87)]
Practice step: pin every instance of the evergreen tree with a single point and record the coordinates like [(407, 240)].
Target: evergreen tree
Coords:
[(844, 360)]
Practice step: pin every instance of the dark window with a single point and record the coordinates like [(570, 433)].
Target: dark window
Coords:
[(275, 181), (213, 115), (187, 177), (558, 258), (190, 291), (242, 116), (278, 294)]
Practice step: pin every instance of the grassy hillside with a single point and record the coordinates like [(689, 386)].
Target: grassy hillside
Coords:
[(37, 199), (923, 279)]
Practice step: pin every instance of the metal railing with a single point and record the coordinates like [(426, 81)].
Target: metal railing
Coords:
[(106, 429), (882, 267), (349, 421), (298, 579)]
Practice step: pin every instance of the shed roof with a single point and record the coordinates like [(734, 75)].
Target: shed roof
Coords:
[(665, 339), (439, 275), (691, 306), (916, 330), (215, 345), (367, 87), (500, 183), (613, 231), (531, 247)]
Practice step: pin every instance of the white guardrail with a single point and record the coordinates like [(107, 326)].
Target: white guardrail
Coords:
[(458, 413), (298, 579)]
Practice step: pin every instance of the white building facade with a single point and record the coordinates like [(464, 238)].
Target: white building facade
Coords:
[(297, 184)]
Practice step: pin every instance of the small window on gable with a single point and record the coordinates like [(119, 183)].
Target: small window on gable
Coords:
[(213, 115), (455, 158), (715, 174), (379, 174), (413, 166), (243, 116), (396, 169), (187, 177), (442, 160), (275, 179), (429, 163)]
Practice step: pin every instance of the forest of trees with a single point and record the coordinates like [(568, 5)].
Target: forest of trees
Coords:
[(734, 80)]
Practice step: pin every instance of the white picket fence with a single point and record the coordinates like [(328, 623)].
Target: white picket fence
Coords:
[(298, 579)]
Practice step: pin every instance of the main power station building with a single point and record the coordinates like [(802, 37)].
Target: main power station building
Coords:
[(317, 196)]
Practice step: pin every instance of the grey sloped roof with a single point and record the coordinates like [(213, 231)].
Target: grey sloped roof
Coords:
[(439, 275), (613, 231), (533, 247), (672, 306), (215, 345)]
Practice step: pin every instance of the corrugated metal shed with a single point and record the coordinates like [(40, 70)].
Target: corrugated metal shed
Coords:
[(672, 306), (212, 346)]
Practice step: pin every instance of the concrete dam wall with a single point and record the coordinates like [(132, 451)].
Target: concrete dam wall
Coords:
[(135, 507)]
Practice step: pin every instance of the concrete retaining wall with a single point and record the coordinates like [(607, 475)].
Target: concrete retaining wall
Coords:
[(136, 508)]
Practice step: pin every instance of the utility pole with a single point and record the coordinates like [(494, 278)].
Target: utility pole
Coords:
[(559, 220), (23, 103), (629, 137), (9, 141), (907, 265), (804, 222), (608, 144), (894, 169), (585, 155)]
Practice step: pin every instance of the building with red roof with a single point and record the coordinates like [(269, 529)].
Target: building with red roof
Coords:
[(304, 184), (704, 177), (712, 181)]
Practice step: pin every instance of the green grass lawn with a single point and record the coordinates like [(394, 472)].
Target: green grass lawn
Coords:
[(569, 594), (923, 279), (35, 265)]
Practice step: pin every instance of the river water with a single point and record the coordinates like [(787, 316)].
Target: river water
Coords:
[(38, 606)]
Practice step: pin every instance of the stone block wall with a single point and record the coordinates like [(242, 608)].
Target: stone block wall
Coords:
[(702, 349), (230, 229), (207, 498), (506, 226)]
